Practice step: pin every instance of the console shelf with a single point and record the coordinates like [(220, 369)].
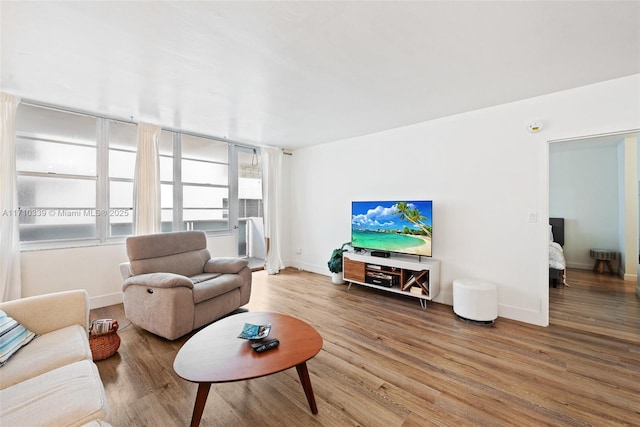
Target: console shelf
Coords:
[(399, 274)]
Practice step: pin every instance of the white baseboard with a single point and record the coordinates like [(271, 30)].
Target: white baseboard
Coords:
[(323, 270), (522, 315), (105, 300)]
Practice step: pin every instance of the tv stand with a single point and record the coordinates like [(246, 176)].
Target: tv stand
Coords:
[(400, 274)]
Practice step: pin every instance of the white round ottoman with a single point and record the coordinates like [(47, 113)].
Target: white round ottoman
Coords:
[(475, 300)]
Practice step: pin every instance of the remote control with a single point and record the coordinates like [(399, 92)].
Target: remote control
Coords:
[(265, 345)]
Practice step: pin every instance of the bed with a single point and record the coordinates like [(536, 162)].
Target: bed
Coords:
[(557, 263)]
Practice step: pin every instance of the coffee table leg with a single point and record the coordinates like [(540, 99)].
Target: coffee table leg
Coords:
[(303, 374), (201, 399)]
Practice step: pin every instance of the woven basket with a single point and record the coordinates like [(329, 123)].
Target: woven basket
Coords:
[(105, 344)]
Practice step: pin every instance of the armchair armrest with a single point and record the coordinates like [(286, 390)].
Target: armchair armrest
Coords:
[(45, 313), (225, 265), (158, 280)]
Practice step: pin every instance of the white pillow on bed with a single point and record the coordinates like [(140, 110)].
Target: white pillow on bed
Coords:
[(550, 233)]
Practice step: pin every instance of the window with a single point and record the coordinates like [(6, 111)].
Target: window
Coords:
[(76, 175), (250, 206), (249, 184), (122, 163), (204, 181), (56, 160), (167, 181)]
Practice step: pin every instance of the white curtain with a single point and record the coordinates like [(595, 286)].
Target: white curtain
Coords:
[(272, 184), (10, 286), (146, 184)]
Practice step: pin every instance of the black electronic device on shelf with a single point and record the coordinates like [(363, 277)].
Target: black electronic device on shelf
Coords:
[(380, 278), (381, 254)]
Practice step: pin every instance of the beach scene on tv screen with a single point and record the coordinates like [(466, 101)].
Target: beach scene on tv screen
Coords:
[(394, 226)]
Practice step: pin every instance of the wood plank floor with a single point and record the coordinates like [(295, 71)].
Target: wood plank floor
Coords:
[(387, 362)]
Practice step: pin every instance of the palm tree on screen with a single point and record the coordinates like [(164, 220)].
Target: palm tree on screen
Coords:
[(414, 216)]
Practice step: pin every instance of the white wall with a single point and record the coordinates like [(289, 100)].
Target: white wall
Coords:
[(94, 268), (630, 217), (619, 264), (483, 171), (584, 190)]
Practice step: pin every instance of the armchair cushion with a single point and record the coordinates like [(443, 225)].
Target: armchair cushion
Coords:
[(158, 280), (199, 278), (225, 265), (185, 264), (165, 244), (212, 288)]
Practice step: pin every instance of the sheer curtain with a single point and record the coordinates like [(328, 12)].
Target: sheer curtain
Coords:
[(272, 184), (146, 184), (10, 286)]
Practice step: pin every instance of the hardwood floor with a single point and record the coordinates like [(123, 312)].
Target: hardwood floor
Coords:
[(594, 303), (387, 362)]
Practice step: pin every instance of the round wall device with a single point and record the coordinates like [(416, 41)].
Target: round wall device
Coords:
[(535, 127)]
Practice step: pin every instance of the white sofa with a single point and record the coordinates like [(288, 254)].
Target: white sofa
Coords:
[(52, 381)]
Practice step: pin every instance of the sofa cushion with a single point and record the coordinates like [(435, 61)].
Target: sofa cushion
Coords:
[(49, 351), (214, 287), (13, 336), (71, 395), (225, 265)]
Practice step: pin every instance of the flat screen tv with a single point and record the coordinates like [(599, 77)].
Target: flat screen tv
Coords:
[(401, 226)]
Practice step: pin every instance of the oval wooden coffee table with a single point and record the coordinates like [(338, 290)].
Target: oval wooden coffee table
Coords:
[(217, 355)]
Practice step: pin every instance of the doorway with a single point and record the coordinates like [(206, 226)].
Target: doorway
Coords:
[(250, 236), (593, 184)]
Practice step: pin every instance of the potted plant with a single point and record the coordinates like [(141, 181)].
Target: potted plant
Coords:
[(335, 264)]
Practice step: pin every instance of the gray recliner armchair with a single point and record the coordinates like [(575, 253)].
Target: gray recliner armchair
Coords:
[(173, 286)]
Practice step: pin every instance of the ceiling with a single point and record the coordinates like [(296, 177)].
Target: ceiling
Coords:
[(295, 74)]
